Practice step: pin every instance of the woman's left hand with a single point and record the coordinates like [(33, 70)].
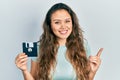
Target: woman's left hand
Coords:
[(95, 62)]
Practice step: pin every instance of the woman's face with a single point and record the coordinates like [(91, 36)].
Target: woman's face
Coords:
[(61, 24)]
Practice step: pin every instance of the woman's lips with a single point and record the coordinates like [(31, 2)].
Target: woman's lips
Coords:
[(63, 32)]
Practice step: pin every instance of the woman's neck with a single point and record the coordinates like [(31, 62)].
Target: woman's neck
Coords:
[(62, 42)]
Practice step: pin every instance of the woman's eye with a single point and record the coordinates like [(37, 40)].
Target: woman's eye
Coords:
[(67, 21), (57, 22)]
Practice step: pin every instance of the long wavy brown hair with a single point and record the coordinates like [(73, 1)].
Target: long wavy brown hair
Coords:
[(49, 46)]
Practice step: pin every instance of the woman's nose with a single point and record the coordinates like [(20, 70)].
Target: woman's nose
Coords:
[(63, 25)]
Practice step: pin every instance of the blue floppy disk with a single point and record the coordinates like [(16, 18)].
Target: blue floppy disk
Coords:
[(30, 48)]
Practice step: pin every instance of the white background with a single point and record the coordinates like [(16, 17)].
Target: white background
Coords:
[(21, 20)]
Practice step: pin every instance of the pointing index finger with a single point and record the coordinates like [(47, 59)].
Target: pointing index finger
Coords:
[(99, 52)]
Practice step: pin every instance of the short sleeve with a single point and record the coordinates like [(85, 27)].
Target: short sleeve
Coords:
[(87, 48), (34, 59)]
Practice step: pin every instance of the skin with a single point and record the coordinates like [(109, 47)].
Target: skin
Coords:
[(61, 25), (95, 62)]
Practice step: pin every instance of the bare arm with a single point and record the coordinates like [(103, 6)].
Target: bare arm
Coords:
[(27, 75), (33, 68), (30, 75)]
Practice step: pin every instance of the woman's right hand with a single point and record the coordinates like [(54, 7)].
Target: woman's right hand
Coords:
[(21, 61)]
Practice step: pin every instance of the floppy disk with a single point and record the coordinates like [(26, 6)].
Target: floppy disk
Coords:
[(30, 48)]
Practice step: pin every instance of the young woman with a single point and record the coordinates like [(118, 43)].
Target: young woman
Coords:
[(63, 53)]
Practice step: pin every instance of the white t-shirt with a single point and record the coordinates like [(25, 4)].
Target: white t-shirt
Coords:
[(64, 70)]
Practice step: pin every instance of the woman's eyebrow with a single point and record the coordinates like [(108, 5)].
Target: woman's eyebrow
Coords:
[(60, 19)]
